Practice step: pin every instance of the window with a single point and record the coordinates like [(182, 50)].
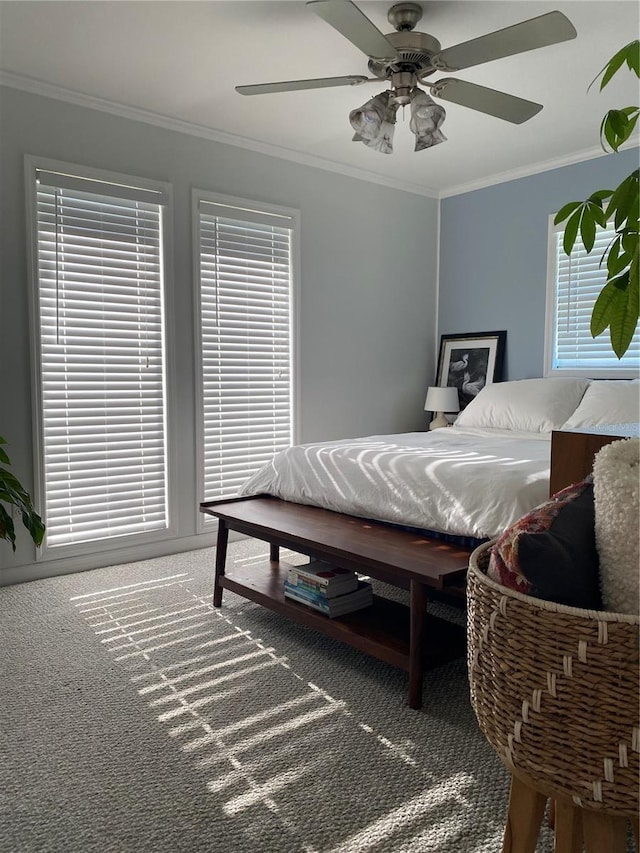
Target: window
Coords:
[(244, 269), (573, 285), (99, 338)]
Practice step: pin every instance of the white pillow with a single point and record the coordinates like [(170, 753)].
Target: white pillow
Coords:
[(608, 401), (531, 405)]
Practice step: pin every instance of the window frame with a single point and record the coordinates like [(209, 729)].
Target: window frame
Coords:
[(550, 322), (205, 524), (33, 164)]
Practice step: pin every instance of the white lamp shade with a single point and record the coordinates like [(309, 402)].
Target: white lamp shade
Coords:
[(442, 400)]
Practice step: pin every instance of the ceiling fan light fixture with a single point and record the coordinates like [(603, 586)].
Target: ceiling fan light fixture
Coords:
[(375, 122), (427, 118), (406, 57)]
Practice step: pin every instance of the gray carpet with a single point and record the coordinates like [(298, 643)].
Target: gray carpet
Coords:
[(135, 717)]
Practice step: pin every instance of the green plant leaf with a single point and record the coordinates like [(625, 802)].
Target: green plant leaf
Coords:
[(617, 126), (633, 120), (618, 121), (622, 262), (35, 526), (565, 211), (620, 282), (610, 68), (621, 202), (628, 54), (616, 260), (4, 458), (600, 195), (634, 274), (571, 231), (618, 304), (602, 310), (598, 214), (624, 319), (7, 530), (629, 240), (608, 134), (633, 57), (13, 494), (588, 228)]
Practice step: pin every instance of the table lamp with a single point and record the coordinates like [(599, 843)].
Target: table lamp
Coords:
[(440, 400)]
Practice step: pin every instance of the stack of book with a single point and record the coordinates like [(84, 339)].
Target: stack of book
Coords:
[(330, 590)]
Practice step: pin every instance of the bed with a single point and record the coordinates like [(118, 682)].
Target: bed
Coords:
[(471, 480), (468, 482), (348, 501)]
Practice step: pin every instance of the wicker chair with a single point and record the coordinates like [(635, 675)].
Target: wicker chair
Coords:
[(555, 690)]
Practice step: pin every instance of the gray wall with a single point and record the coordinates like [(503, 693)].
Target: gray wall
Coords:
[(493, 254), (367, 286)]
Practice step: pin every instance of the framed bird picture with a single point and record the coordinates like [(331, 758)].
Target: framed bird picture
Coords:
[(469, 362)]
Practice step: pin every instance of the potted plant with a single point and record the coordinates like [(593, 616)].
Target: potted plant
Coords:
[(618, 304), (14, 496)]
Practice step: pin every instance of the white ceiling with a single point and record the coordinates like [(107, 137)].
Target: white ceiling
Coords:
[(181, 61)]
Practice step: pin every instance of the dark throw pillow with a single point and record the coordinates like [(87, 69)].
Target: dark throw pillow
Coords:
[(550, 553)]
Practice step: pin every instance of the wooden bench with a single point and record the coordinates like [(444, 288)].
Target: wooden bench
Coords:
[(403, 636)]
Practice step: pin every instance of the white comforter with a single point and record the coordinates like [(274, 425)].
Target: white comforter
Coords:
[(460, 481)]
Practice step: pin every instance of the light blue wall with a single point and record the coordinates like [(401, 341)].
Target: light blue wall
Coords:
[(367, 289), (493, 254)]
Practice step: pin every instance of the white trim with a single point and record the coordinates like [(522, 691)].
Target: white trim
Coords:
[(550, 323), (534, 169), (198, 407), (98, 560), (436, 330), (101, 175), (296, 279), (33, 164), (550, 298), (48, 90), (202, 524), (70, 182), (171, 411), (34, 335)]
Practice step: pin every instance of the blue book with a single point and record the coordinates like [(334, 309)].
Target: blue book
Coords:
[(337, 606), (299, 591)]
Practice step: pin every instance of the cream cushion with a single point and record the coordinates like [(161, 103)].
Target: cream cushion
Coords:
[(616, 483)]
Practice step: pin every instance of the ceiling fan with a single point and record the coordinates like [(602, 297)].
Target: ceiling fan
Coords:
[(407, 57)]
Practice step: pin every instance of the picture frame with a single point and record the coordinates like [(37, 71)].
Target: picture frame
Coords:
[(470, 361)]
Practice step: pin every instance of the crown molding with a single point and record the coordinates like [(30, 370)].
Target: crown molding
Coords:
[(534, 169), (48, 90)]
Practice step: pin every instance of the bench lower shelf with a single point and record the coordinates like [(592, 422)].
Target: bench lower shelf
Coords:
[(407, 637), (381, 630)]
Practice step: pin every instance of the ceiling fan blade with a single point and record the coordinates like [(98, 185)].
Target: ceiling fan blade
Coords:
[(344, 16), (489, 101), (292, 85), (545, 30)]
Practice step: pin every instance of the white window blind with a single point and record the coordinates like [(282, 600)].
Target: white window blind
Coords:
[(245, 259), (576, 282), (102, 388)]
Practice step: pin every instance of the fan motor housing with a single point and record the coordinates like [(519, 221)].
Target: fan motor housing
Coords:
[(414, 52)]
